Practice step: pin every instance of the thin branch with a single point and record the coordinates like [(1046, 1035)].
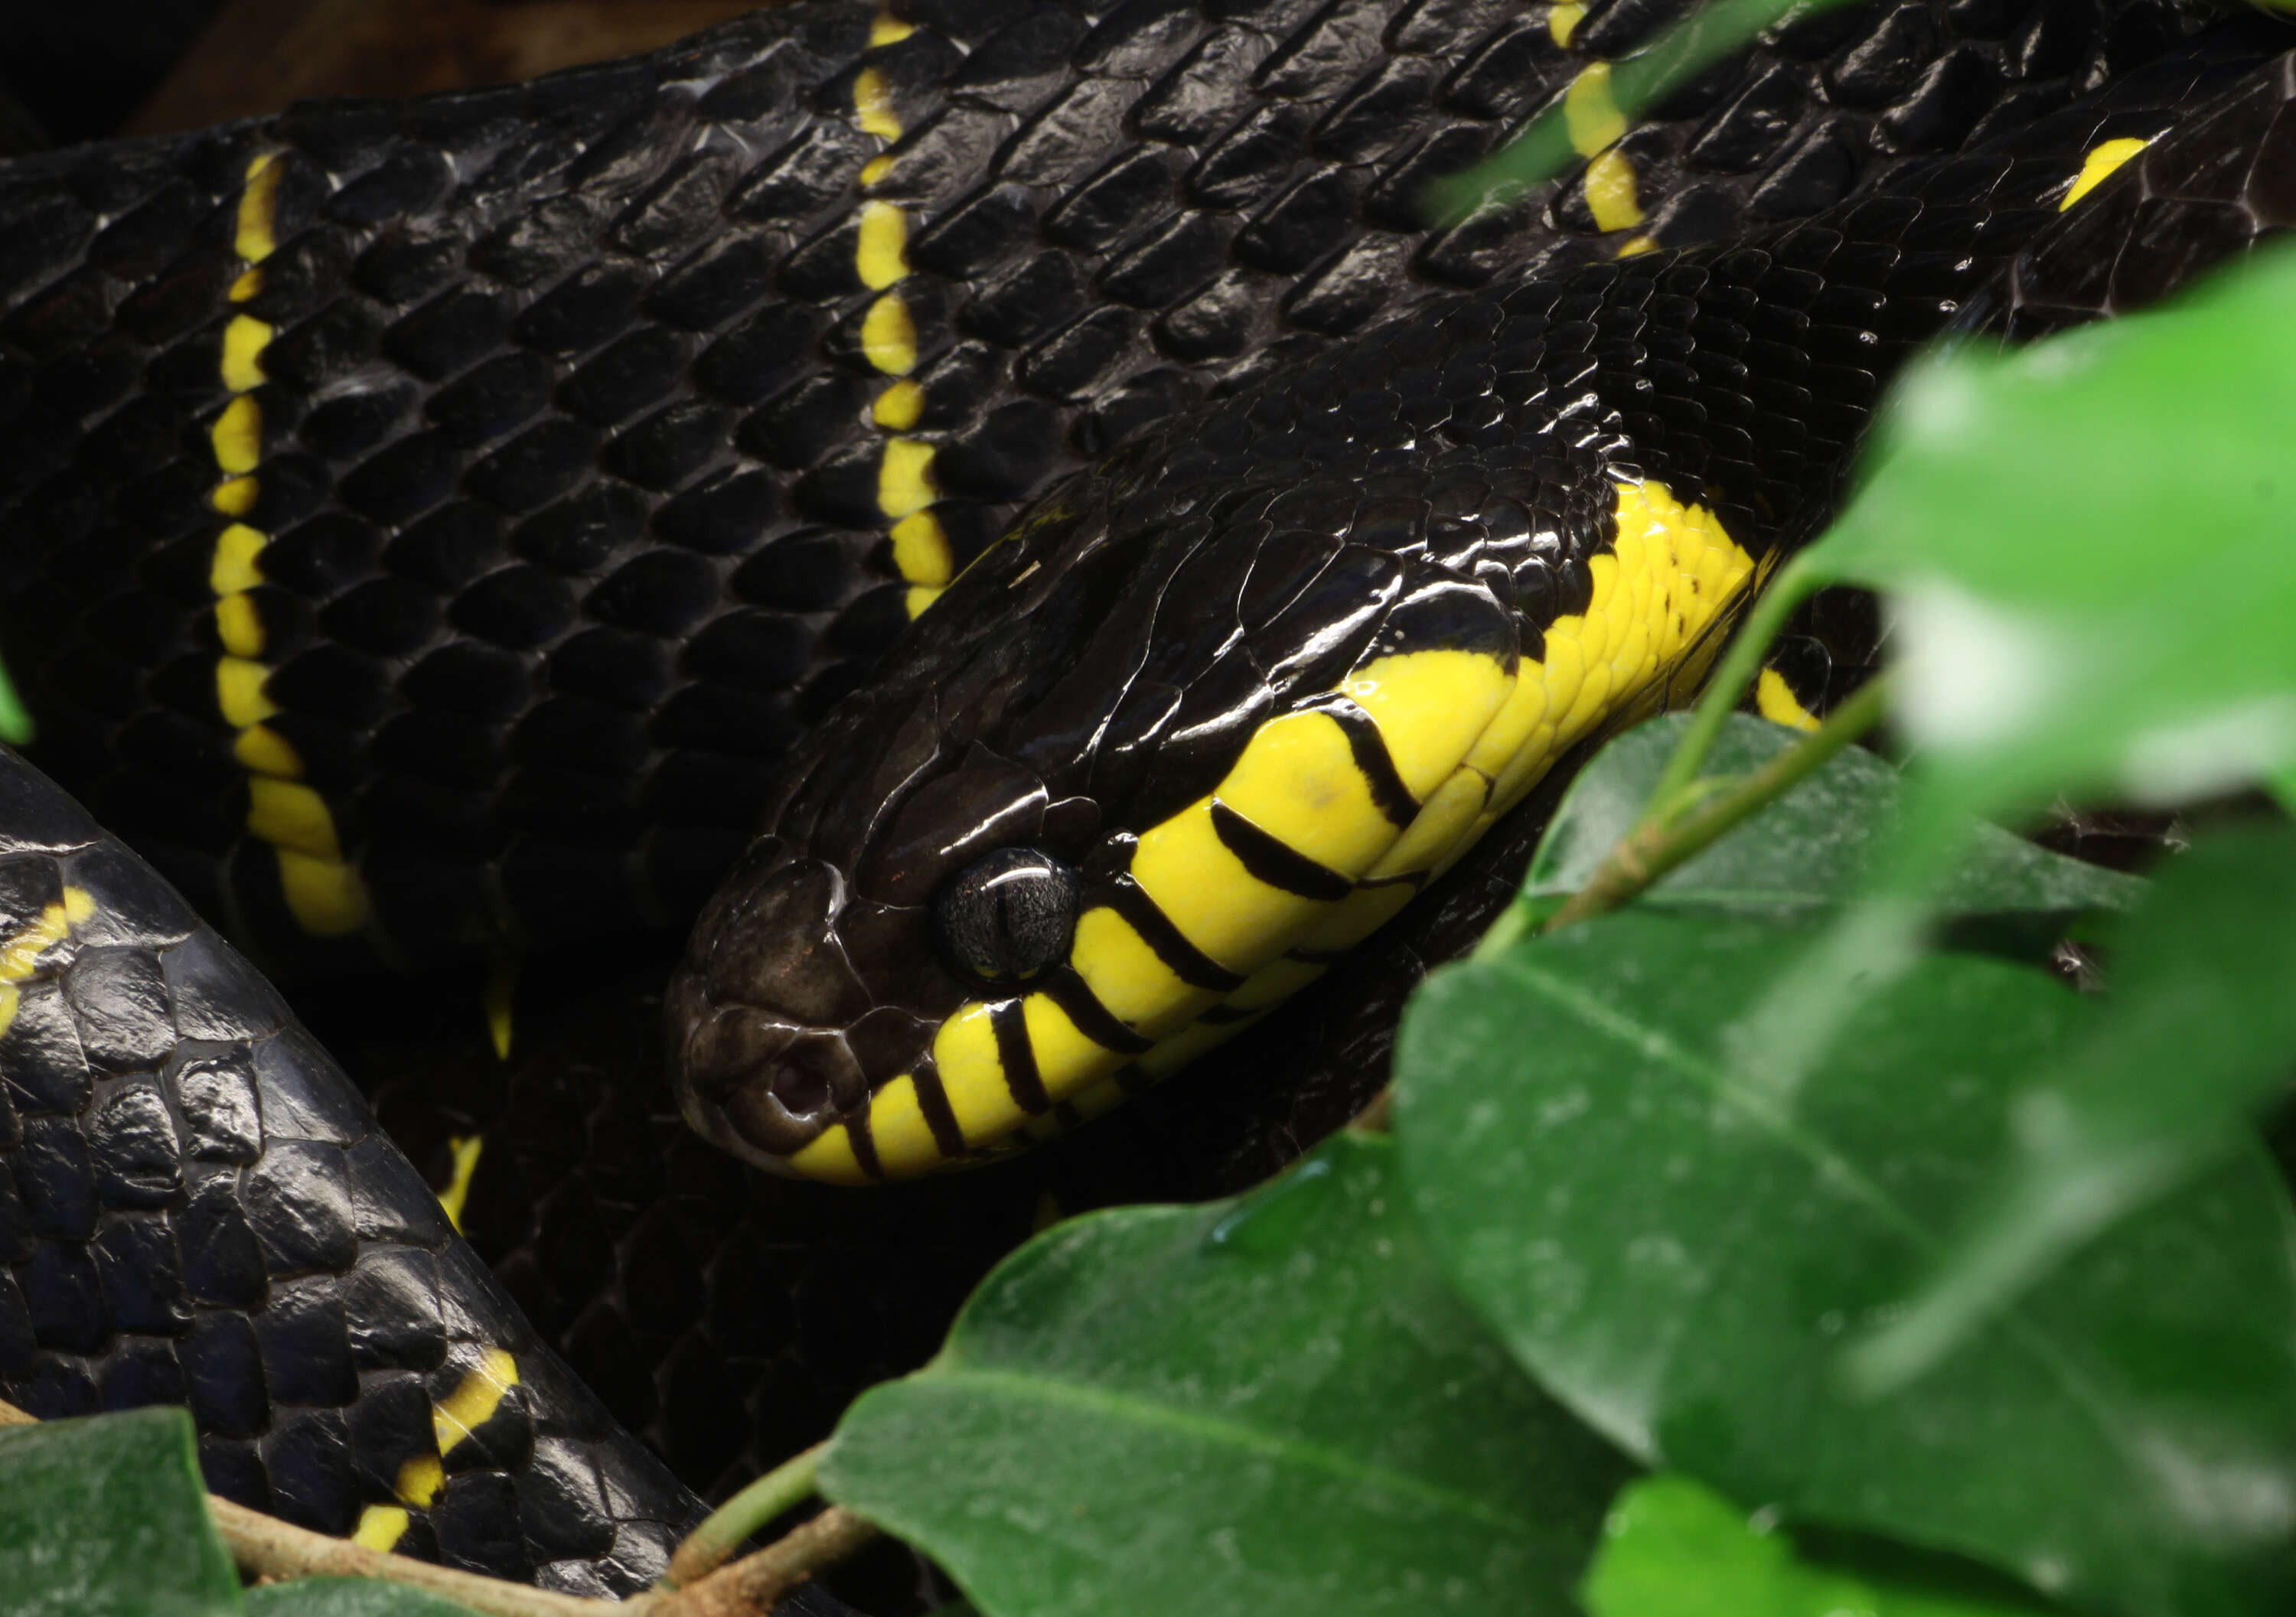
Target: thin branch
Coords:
[(1656, 848), (1725, 688), (754, 1583), (266, 1548), (710, 1544)]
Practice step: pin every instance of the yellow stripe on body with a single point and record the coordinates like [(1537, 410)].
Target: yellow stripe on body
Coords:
[(1595, 124), (2103, 160), (463, 1151), (381, 1527), (20, 955), (243, 341), (880, 255), (1610, 195), (889, 339), (258, 219), (323, 890), (453, 1419), (899, 406), (473, 1402), (1590, 112), (872, 105), (1563, 20)]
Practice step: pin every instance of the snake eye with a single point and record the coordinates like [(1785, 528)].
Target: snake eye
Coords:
[(1007, 915)]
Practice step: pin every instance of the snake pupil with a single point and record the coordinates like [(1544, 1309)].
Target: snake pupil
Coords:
[(1008, 915)]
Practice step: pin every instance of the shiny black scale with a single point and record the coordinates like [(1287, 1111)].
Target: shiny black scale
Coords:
[(570, 479)]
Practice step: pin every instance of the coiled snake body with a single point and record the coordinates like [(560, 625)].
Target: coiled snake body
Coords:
[(450, 528)]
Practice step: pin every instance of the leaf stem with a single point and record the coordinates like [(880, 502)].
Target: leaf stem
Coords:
[(1794, 584), (713, 1543), (1657, 846), (754, 1583)]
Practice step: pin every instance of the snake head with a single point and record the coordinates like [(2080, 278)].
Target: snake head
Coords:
[(1190, 732), (1123, 787)]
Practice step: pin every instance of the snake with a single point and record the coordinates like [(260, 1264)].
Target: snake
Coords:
[(984, 562)]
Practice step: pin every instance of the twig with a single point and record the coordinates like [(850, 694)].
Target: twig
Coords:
[(262, 1546), (267, 1547), (1725, 687), (710, 1546), (754, 1583), (1657, 846)]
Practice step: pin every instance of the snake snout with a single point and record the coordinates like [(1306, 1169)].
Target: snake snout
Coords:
[(763, 1011)]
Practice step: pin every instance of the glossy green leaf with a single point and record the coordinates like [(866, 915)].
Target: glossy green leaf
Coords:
[(108, 1514), (1673, 1548), (1678, 1239), (2198, 1034), (1272, 1406), (1807, 852), (2090, 548), (348, 1597)]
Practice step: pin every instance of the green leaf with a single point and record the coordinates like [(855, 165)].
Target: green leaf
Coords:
[(1807, 852), (1675, 1548), (108, 1514), (2090, 545), (1271, 1407), (2197, 1035), (348, 1597), (1677, 1242)]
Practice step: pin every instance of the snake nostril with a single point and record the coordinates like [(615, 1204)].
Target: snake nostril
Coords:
[(779, 1088)]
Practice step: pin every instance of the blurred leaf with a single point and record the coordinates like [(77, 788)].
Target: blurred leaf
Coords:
[(1806, 853), (2090, 547), (348, 1597), (1678, 1244), (1709, 33), (2198, 1034), (1272, 1406), (1673, 1548), (108, 1514)]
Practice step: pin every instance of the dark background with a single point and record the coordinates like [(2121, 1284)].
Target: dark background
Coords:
[(73, 70)]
